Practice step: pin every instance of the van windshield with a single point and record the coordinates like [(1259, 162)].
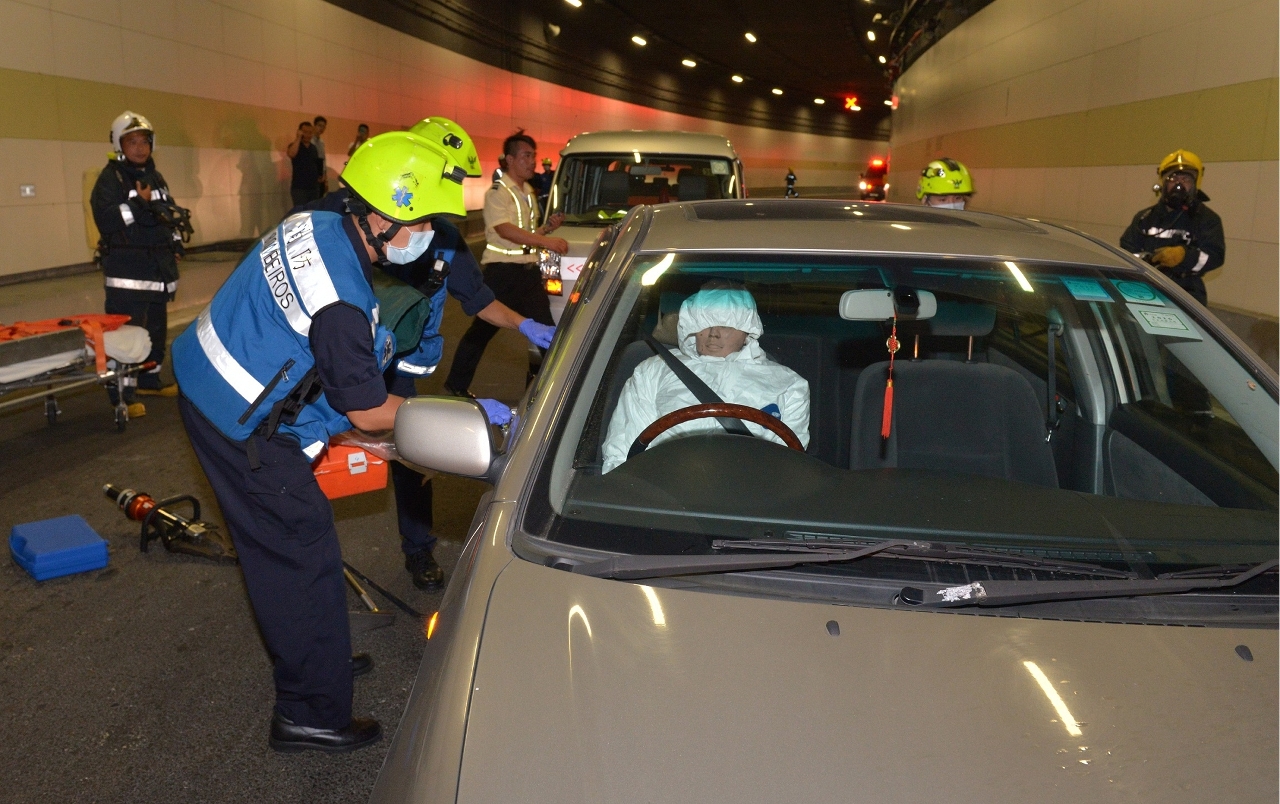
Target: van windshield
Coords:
[(595, 188)]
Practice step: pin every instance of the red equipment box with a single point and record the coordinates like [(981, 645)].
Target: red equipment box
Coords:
[(343, 471)]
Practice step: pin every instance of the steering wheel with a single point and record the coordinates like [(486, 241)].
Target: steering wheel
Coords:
[(718, 410)]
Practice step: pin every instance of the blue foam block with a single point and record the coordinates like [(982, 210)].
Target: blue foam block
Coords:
[(54, 547)]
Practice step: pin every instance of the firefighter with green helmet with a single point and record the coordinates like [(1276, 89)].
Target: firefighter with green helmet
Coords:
[(945, 184), (288, 353), (446, 267), (1179, 235)]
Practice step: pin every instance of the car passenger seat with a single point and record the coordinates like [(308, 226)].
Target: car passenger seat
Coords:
[(951, 416), (615, 189), (690, 186)]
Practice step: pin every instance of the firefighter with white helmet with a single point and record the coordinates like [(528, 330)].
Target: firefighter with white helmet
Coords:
[(1179, 234), (141, 235)]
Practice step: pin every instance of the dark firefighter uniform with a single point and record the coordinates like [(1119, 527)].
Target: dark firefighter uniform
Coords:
[(138, 252), (1194, 227)]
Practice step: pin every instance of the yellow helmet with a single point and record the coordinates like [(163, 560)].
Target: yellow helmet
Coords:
[(454, 138), (944, 177), (405, 178), (1182, 160)]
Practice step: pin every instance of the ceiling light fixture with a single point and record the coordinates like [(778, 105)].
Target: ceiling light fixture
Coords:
[(888, 103), (689, 62), (776, 91), (639, 40), (871, 35), (819, 101), (883, 60), (574, 3), (751, 37), (737, 79)]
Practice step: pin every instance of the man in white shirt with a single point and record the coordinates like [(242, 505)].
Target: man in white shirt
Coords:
[(510, 258)]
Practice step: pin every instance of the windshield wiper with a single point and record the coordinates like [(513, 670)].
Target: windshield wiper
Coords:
[(1012, 593), (937, 551), (638, 567)]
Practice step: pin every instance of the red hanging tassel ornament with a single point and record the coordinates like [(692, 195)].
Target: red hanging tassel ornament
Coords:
[(893, 346)]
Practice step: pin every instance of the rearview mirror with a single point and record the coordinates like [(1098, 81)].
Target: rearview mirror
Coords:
[(877, 304), (444, 433)]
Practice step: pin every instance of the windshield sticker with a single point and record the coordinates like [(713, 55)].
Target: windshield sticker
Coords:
[(719, 168), (1139, 292), (1086, 290), (571, 267), (1164, 322)]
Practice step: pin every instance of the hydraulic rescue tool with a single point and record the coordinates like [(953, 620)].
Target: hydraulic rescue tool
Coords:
[(178, 533)]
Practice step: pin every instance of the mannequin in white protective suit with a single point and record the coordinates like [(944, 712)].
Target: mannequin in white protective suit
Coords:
[(718, 333)]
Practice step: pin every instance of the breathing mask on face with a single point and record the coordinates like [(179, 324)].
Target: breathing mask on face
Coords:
[(418, 244), (1177, 189), (949, 205)]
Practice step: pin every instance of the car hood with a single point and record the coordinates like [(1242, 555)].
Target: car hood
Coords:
[(591, 690)]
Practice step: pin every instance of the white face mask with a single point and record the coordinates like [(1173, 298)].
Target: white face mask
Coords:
[(949, 205), (418, 243)]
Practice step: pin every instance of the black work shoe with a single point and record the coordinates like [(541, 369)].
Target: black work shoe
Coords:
[(426, 573), (463, 393), (361, 663), (290, 738)]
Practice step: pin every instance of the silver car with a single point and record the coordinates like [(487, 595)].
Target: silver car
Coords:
[(1049, 574), (604, 174)]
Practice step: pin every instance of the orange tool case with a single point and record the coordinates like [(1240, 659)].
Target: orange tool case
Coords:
[(343, 471)]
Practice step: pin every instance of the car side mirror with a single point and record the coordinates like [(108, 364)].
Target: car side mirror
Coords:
[(446, 434)]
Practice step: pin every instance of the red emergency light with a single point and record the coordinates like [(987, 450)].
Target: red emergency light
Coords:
[(877, 163), (851, 103)]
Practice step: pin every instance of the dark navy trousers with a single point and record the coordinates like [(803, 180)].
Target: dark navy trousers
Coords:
[(282, 526), (412, 490)]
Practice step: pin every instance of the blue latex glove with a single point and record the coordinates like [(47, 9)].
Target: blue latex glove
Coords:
[(499, 413), (538, 334)]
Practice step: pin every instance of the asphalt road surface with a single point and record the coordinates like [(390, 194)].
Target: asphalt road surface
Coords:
[(147, 681)]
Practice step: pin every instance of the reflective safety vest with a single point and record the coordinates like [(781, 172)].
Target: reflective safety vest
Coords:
[(520, 222), (247, 359)]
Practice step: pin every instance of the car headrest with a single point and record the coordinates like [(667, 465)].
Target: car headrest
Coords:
[(691, 187), (615, 188), (963, 319)]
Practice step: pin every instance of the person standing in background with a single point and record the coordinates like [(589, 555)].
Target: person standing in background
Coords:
[(138, 252), (305, 165), (317, 128), (945, 184), (362, 136), (510, 258), (1180, 236)]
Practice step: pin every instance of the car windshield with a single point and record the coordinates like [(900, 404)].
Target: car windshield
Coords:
[(594, 188), (1037, 410)]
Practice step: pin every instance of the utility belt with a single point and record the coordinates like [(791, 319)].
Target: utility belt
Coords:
[(286, 411)]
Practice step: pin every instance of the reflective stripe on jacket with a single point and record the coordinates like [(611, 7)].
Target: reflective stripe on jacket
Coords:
[(250, 347)]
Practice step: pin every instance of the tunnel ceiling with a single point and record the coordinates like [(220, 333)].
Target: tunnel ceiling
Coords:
[(807, 49)]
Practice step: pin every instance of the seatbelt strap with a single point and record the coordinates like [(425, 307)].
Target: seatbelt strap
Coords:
[(694, 383), (1051, 384)]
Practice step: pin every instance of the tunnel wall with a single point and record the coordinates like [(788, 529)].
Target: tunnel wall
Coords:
[(226, 83), (1063, 108)]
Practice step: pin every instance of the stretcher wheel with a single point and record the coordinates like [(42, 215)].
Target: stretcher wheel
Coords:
[(122, 418), (51, 410)]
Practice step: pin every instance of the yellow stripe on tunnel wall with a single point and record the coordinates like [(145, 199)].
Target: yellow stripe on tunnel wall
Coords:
[(1234, 123)]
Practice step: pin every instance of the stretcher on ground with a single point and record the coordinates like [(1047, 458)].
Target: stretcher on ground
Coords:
[(40, 360)]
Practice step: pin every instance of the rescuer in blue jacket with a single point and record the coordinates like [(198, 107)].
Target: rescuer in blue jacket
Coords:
[(288, 353), (446, 266)]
